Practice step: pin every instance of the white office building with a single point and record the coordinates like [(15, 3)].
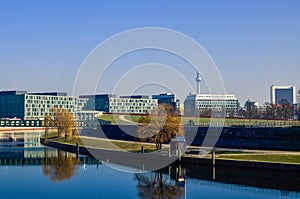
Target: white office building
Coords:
[(34, 106), (138, 104), (283, 92), (195, 104)]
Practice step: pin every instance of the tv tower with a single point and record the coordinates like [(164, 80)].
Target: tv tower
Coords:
[(198, 78)]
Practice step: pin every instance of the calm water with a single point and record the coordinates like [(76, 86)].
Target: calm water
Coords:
[(28, 170)]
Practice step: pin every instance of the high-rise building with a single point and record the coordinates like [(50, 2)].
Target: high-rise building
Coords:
[(279, 93)]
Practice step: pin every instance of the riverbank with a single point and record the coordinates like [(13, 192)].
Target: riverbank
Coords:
[(111, 151), (21, 129)]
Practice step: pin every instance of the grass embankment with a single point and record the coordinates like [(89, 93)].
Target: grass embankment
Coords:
[(278, 158), (274, 157), (114, 119), (256, 156), (105, 144)]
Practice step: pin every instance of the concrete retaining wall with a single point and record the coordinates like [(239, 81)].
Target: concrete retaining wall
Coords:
[(274, 138)]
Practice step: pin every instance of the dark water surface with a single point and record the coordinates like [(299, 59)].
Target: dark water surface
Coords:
[(30, 170)]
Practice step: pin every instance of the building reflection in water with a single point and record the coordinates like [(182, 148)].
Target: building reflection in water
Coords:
[(17, 146), (170, 182)]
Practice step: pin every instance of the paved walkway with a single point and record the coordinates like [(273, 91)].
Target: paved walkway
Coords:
[(122, 117)]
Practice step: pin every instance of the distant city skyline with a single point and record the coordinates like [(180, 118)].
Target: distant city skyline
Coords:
[(255, 44)]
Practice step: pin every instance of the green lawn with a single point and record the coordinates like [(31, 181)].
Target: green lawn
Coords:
[(109, 144), (205, 121), (280, 158), (149, 147)]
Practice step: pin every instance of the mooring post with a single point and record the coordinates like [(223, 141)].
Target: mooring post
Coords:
[(214, 173), (142, 149), (213, 158), (77, 151)]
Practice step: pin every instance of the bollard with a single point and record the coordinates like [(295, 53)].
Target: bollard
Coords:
[(77, 151), (213, 158), (214, 173), (142, 149)]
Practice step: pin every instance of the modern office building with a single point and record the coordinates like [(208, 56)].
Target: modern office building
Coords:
[(33, 106), (138, 104), (167, 98), (196, 104), (279, 93)]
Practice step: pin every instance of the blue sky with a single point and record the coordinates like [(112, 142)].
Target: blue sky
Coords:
[(254, 43)]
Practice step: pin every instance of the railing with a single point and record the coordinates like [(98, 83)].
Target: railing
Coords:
[(38, 161)]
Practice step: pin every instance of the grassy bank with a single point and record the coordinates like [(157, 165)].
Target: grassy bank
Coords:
[(114, 119), (105, 144), (248, 155), (278, 158)]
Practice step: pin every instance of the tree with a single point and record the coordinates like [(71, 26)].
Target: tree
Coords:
[(47, 123), (268, 110), (231, 114), (251, 110), (160, 126), (156, 185), (206, 113), (61, 167), (63, 120), (286, 109), (298, 111)]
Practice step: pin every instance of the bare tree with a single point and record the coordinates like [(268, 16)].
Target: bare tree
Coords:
[(63, 120), (160, 126), (155, 185)]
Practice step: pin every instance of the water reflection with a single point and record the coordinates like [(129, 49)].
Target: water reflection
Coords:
[(158, 185), (46, 166), (61, 167), (18, 147)]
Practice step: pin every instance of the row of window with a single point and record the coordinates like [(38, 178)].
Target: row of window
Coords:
[(127, 111), (132, 104), (214, 105), (48, 106), (216, 102), (134, 100), (132, 107)]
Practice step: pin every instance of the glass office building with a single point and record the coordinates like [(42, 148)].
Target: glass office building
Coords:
[(33, 106), (279, 93), (195, 104), (137, 104)]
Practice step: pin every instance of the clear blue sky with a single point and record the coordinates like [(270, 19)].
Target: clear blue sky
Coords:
[(254, 43)]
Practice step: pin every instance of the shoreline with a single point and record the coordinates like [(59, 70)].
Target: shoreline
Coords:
[(114, 156), (23, 129)]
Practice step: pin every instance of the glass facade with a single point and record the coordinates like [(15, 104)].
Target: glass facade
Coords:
[(126, 104), (131, 105), (195, 104), (37, 105), (279, 93), (34, 106)]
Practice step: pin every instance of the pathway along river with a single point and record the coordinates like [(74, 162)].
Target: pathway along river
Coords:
[(30, 170)]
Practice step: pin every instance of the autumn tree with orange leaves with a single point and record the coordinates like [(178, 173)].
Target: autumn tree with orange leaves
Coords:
[(160, 125)]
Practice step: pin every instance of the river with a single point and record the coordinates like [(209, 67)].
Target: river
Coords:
[(30, 170)]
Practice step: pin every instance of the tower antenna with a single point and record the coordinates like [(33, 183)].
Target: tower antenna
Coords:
[(198, 78)]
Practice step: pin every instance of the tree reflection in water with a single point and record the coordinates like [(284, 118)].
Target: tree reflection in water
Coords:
[(155, 185), (61, 167)]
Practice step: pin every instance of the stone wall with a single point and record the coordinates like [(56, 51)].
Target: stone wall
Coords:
[(275, 138)]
